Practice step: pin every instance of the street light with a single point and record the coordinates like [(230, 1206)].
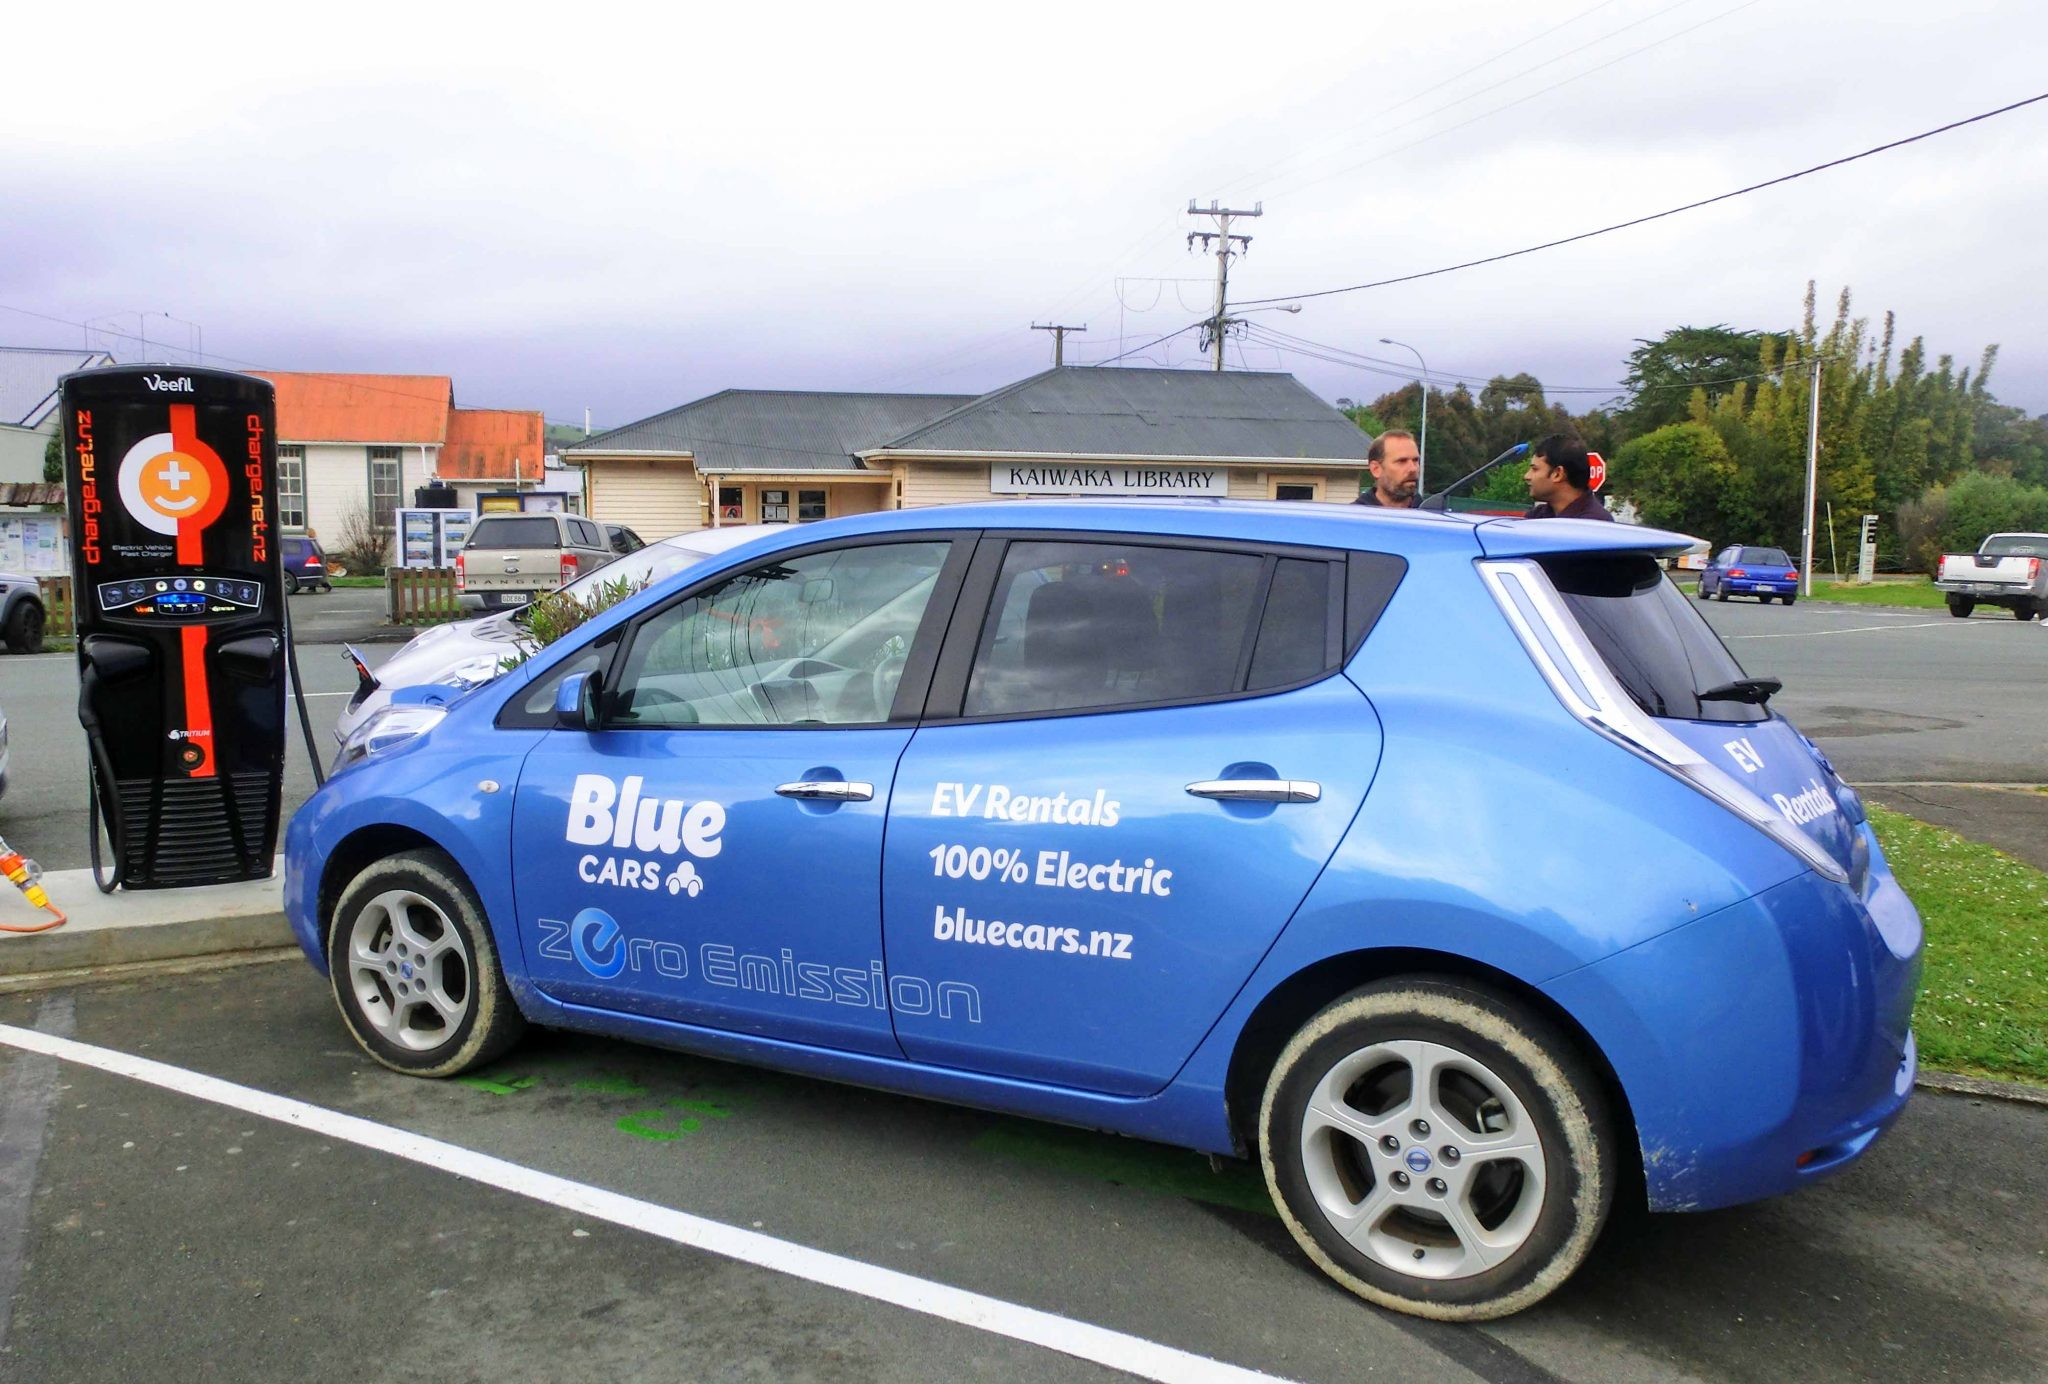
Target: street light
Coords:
[(1422, 442)]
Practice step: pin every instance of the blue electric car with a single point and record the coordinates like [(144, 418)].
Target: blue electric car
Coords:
[(1749, 570), (1451, 867)]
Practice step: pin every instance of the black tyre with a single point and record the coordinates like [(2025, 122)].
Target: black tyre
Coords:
[(1467, 1194), (1721, 594), (291, 584), (414, 970), (1700, 591), (2022, 612), (1787, 599), (25, 628), (1961, 606)]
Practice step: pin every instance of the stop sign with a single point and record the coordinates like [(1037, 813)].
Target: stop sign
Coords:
[(1596, 467)]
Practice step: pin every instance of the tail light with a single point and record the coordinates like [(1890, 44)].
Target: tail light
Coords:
[(461, 576), (2033, 568), (312, 562), (570, 563), (1792, 574), (1737, 572)]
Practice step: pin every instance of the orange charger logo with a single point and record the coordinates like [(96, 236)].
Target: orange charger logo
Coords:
[(174, 484)]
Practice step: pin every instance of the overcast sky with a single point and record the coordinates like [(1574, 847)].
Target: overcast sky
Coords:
[(622, 209)]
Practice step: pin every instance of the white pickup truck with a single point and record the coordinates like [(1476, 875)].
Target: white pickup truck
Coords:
[(2008, 569)]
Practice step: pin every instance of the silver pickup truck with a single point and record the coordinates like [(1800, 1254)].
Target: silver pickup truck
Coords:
[(2008, 569), (511, 558)]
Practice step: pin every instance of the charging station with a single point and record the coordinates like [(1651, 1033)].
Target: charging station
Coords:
[(178, 599)]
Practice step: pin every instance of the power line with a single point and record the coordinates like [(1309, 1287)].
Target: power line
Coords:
[(1524, 100), (1655, 216), (1516, 77), (1338, 355)]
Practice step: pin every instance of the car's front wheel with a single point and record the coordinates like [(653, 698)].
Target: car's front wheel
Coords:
[(24, 632), (414, 971), (1437, 1150)]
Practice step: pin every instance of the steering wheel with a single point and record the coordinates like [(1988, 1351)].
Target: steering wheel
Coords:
[(888, 676)]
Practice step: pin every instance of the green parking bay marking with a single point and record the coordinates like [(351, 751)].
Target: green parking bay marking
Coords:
[(1148, 1167), (672, 1120)]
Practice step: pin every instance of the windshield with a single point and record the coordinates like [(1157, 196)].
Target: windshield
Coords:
[(1767, 557), (1652, 640), (2016, 545)]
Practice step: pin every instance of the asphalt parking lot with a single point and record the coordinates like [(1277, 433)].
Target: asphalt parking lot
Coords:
[(171, 1236), (164, 1232)]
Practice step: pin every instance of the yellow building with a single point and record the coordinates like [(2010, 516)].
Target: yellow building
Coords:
[(765, 456)]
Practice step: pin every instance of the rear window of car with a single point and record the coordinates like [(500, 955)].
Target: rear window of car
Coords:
[(1766, 557), (516, 531), (1653, 641), (2016, 545)]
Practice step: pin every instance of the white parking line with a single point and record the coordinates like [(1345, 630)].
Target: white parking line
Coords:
[(1950, 623), (1082, 1340)]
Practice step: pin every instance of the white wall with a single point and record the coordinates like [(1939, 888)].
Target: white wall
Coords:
[(21, 450), (338, 481)]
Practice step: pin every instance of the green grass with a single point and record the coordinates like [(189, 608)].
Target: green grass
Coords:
[(1984, 997), (357, 581), (1916, 592)]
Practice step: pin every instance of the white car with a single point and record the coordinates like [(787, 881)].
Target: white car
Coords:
[(466, 653)]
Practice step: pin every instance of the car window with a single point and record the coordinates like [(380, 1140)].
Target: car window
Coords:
[(1767, 557), (1074, 626), (1652, 640), (814, 640), (515, 531), (2015, 545)]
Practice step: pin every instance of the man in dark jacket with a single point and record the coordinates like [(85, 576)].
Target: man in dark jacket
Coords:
[(1560, 481), (1396, 468)]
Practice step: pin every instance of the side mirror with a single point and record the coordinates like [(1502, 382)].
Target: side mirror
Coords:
[(576, 701)]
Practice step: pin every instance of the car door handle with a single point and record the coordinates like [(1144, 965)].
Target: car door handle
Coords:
[(828, 790), (1259, 790)]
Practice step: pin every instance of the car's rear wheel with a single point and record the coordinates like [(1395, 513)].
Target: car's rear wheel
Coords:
[(24, 632), (1721, 594), (1961, 606), (1437, 1150), (414, 970), (291, 584), (1786, 599)]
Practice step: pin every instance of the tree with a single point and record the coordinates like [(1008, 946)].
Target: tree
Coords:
[(1683, 477), (53, 457), (1663, 372)]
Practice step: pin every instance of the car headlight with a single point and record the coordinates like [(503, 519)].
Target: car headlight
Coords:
[(473, 672), (387, 730)]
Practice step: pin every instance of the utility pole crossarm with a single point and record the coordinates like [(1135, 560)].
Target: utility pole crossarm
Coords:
[(1059, 339), (1221, 238)]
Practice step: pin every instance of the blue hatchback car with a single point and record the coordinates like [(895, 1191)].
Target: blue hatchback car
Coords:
[(1750, 571), (1450, 867)]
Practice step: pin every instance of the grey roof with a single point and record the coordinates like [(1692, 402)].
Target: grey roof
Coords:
[(774, 430), (28, 380), (1110, 411)]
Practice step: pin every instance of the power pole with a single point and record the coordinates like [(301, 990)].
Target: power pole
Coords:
[(1812, 478), (1221, 239), (1059, 340)]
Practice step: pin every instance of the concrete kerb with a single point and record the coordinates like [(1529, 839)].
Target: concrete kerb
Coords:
[(126, 929)]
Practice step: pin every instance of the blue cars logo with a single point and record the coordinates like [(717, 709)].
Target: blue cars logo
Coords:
[(594, 934)]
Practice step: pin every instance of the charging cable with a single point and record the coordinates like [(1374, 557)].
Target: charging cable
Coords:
[(291, 658), (27, 876)]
